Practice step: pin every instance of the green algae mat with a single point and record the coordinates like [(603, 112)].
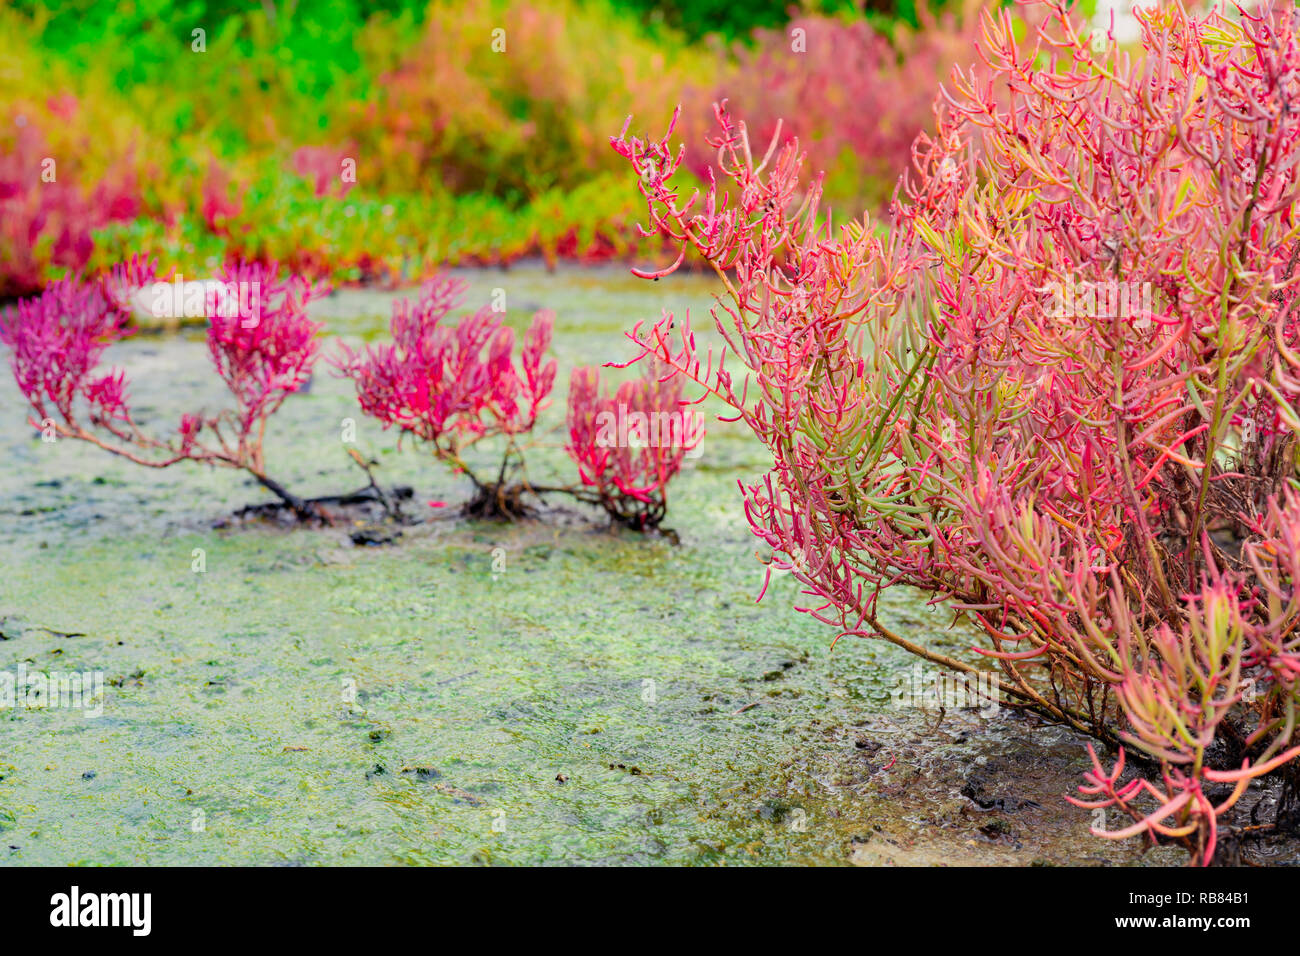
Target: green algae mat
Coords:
[(551, 691)]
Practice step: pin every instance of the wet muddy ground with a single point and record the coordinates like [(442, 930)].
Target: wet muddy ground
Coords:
[(547, 692)]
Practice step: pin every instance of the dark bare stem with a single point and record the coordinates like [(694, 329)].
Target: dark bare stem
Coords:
[(305, 510)]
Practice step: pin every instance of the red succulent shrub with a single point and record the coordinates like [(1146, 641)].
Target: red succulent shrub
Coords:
[(629, 445), (261, 342), (451, 386), (1060, 397)]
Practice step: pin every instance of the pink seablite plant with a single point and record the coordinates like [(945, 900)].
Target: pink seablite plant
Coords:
[(263, 354), (451, 386), (1060, 396), (628, 446)]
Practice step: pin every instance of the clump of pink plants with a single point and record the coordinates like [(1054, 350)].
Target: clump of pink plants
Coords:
[(46, 217), (451, 385), (262, 345), (1105, 484)]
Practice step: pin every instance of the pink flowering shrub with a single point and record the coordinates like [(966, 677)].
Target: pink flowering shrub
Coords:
[(260, 340), (452, 386), (1060, 397), (629, 445)]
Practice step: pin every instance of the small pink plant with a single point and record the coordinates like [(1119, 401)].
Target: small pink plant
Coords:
[(452, 386), (628, 446), (263, 354)]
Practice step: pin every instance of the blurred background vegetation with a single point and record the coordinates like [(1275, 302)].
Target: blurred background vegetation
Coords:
[(201, 129)]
